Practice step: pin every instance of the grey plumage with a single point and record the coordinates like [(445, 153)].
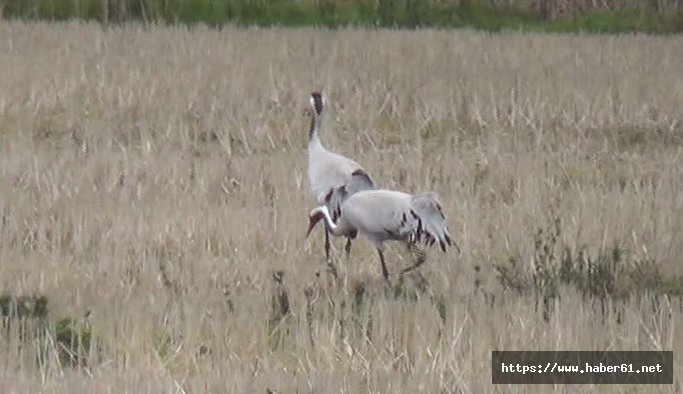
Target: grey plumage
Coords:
[(360, 181)]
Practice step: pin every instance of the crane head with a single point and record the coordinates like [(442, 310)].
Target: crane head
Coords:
[(317, 102), (314, 217)]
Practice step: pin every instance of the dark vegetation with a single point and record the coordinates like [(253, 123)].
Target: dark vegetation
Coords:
[(611, 16), (26, 317), (608, 277)]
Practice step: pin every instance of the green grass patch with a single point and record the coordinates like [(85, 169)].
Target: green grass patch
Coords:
[(362, 13)]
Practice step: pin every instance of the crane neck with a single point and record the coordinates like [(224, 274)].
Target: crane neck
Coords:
[(322, 213), (334, 228), (315, 128)]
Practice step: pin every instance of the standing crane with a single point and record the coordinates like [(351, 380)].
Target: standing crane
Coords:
[(328, 172), (387, 215)]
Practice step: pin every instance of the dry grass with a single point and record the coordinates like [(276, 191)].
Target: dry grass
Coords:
[(153, 181)]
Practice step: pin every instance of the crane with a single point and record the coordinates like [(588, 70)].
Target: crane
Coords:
[(328, 171), (386, 215)]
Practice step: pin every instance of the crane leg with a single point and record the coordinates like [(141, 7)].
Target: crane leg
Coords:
[(421, 257), (347, 249), (331, 268), (327, 244), (385, 273)]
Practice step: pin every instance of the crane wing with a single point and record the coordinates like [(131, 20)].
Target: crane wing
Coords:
[(431, 220), (360, 180)]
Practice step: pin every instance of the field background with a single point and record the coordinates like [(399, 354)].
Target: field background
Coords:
[(154, 203)]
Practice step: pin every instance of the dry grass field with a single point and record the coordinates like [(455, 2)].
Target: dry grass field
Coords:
[(153, 191)]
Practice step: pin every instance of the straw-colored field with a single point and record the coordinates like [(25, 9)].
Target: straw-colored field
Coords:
[(153, 182)]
